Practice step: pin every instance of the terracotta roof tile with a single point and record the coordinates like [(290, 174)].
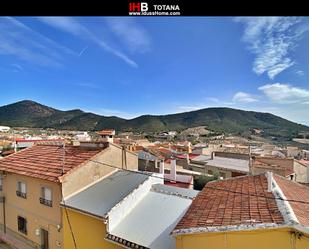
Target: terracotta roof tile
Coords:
[(295, 191), (217, 205), (106, 132), (45, 161)]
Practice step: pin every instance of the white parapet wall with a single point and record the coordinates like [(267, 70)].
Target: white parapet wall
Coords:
[(120, 210)]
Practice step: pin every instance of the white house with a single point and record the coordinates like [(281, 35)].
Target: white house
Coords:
[(4, 128)]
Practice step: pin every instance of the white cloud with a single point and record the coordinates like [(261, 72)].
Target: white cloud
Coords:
[(243, 97), (82, 51), (272, 39), (87, 85), (285, 93), (300, 72), (130, 33), (17, 67), (188, 108), (72, 26), (117, 113), (214, 100), (66, 24), (34, 48)]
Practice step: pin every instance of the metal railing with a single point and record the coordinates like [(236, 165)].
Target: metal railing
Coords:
[(46, 202), (21, 194)]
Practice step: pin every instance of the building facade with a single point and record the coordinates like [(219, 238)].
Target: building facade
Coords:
[(35, 180)]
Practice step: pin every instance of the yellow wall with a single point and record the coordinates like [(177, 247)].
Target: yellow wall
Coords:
[(257, 239), (89, 232), (37, 215)]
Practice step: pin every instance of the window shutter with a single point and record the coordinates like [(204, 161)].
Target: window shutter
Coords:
[(23, 187), (48, 194)]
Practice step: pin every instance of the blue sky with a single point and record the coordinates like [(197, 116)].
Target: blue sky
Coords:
[(128, 66)]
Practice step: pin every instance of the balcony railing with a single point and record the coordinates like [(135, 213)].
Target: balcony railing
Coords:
[(46, 202), (21, 194)]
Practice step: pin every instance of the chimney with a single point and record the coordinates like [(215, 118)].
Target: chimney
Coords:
[(173, 169), (212, 155), (269, 176), (162, 167)]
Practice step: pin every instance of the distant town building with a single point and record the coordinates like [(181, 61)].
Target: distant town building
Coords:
[(223, 166), (4, 128), (82, 136), (287, 167), (107, 135)]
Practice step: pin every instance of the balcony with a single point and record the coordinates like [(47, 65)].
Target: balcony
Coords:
[(21, 194), (46, 202)]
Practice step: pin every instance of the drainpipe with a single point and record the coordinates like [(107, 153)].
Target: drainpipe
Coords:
[(4, 216), (212, 155), (173, 170), (162, 167)]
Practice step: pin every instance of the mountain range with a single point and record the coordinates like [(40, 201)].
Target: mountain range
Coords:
[(28, 113)]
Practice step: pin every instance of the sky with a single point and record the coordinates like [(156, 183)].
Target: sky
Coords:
[(129, 66)]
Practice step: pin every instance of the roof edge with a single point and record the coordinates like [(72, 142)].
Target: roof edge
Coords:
[(284, 206), (154, 189), (123, 242), (236, 228)]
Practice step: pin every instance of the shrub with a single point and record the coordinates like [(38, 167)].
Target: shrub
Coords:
[(200, 181)]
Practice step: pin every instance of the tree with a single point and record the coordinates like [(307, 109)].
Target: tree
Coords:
[(202, 180)]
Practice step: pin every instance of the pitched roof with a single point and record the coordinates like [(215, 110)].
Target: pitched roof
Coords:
[(298, 192), (218, 205), (278, 169), (106, 132), (46, 161)]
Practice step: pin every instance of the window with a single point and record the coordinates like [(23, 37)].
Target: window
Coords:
[(210, 172), (21, 190), (46, 196), (22, 224), (1, 182), (222, 175)]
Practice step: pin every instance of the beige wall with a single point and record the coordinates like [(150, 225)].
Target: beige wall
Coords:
[(92, 171), (300, 172), (299, 169), (37, 215)]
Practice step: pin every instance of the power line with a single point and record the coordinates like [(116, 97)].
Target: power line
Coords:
[(68, 218), (61, 190), (149, 175), (167, 179), (63, 200), (209, 187)]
